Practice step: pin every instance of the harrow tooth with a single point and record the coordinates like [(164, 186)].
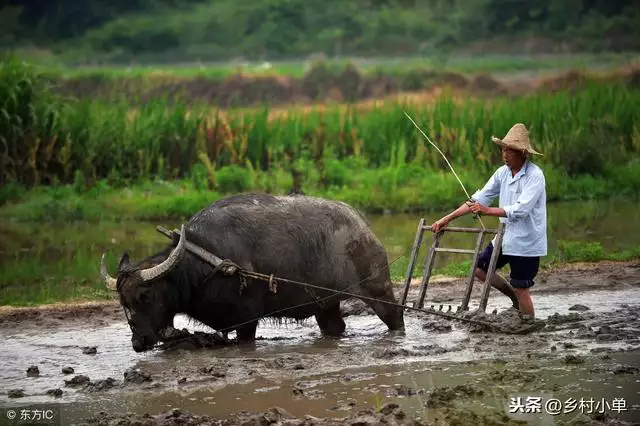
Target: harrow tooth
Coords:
[(449, 308), (495, 312), (455, 316)]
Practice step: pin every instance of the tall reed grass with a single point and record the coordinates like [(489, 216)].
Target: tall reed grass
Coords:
[(47, 140)]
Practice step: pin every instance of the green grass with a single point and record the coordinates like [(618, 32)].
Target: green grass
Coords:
[(42, 264), (30, 283), (394, 189)]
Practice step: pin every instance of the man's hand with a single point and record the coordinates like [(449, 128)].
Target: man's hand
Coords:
[(478, 208), (439, 224)]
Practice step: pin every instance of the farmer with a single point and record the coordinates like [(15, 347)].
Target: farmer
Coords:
[(520, 185)]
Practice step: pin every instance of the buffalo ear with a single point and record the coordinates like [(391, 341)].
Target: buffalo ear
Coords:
[(124, 261)]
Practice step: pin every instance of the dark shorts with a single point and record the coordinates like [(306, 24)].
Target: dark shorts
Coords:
[(523, 269)]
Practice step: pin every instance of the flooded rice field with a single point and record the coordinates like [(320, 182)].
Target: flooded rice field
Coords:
[(79, 360)]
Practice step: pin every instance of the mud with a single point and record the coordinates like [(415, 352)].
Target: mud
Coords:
[(61, 315), (444, 396), (80, 380), (389, 414), (56, 393), (438, 372), (184, 339), (15, 393), (136, 376)]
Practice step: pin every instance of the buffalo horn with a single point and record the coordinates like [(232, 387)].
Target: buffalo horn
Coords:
[(164, 267), (108, 279)]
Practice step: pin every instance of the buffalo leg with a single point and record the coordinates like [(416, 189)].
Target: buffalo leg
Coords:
[(247, 332), (330, 320), (388, 309), (372, 272)]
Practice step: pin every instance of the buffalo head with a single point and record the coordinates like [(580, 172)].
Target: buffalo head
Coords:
[(144, 292)]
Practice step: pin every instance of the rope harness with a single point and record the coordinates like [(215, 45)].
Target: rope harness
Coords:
[(127, 315), (129, 322)]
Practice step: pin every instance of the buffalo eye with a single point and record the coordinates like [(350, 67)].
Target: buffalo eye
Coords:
[(142, 301)]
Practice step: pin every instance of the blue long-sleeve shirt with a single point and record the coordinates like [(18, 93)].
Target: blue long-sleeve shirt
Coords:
[(523, 197)]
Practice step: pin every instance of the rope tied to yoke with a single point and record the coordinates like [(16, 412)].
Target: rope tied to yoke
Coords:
[(230, 268), (273, 285)]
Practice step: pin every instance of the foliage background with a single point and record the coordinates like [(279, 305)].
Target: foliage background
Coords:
[(118, 30)]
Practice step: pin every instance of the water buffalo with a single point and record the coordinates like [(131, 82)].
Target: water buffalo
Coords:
[(298, 237)]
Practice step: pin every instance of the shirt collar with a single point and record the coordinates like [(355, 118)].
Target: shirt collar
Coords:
[(521, 172)]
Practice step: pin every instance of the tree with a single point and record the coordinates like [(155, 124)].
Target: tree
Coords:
[(9, 24)]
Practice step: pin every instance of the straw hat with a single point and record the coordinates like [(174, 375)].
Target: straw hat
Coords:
[(517, 138)]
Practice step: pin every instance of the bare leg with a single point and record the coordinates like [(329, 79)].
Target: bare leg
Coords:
[(526, 304), (500, 283), (371, 269)]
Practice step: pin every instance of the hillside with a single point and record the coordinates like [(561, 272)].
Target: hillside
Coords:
[(181, 30)]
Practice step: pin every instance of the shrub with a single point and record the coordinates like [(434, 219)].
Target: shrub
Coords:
[(233, 179), (200, 177), (569, 251), (335, 173), (318, 80)]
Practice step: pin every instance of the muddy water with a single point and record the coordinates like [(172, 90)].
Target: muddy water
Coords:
[(294, 367)]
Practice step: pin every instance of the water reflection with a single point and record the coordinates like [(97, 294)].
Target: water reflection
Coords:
[(615, 224)]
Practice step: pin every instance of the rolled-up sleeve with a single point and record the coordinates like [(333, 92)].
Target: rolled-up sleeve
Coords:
[(527, 199), (490, 190)]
